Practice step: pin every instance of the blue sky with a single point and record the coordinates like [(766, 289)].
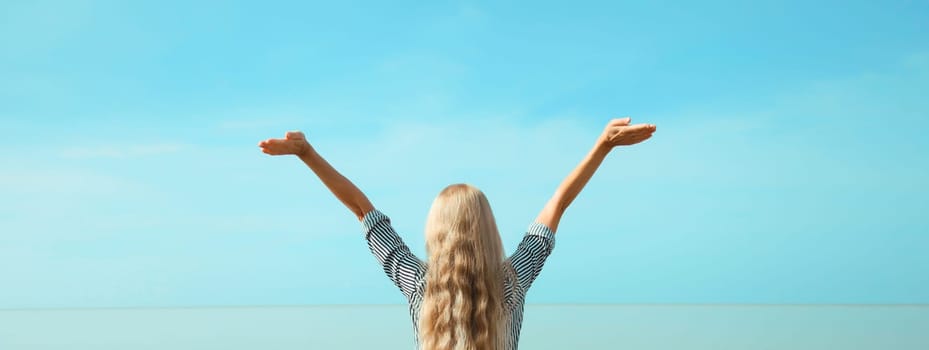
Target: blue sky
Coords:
[(789, 164)]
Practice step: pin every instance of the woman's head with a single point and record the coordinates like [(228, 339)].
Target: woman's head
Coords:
[(464, 285), (462, 213)]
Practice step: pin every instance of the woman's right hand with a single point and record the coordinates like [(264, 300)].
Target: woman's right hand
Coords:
[(294, 142), (619, 133)]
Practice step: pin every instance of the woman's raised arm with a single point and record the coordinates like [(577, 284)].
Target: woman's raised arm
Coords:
[(617, 133), (295, 143)]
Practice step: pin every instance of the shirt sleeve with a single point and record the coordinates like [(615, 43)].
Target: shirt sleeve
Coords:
[(403, 268), (531, 253)]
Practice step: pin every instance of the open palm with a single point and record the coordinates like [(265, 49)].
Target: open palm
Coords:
[(294, 142), (619, 133)]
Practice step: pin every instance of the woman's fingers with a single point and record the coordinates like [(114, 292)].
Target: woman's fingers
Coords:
[(620, 121), (631, 134), (643, 137), (270, 146), (286, 145), (638, 129), (294, 135), (642, 127), (283, 146), (271, 142)]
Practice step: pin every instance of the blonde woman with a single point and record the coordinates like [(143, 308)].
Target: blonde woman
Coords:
[(467, 294)]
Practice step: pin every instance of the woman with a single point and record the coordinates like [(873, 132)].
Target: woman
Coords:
[(467, 295)]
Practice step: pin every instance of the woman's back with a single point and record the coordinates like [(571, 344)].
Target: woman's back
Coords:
[(409, 273)]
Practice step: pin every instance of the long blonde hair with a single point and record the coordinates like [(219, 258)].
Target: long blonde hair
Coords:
[(463, 303)]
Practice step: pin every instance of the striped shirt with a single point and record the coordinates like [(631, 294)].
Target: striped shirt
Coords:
[(409, 272)]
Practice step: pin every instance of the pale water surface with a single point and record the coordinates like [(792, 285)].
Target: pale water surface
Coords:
[(718, 327)]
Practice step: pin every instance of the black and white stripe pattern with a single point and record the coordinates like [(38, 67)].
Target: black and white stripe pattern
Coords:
[(408, 272)]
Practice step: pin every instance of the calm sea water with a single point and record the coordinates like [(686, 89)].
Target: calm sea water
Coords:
[(638, 327)]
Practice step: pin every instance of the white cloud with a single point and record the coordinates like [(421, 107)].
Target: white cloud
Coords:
[(258, 118), (121, 151), (53, 182)]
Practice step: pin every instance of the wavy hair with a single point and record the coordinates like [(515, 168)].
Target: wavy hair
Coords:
[(463, 303)]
